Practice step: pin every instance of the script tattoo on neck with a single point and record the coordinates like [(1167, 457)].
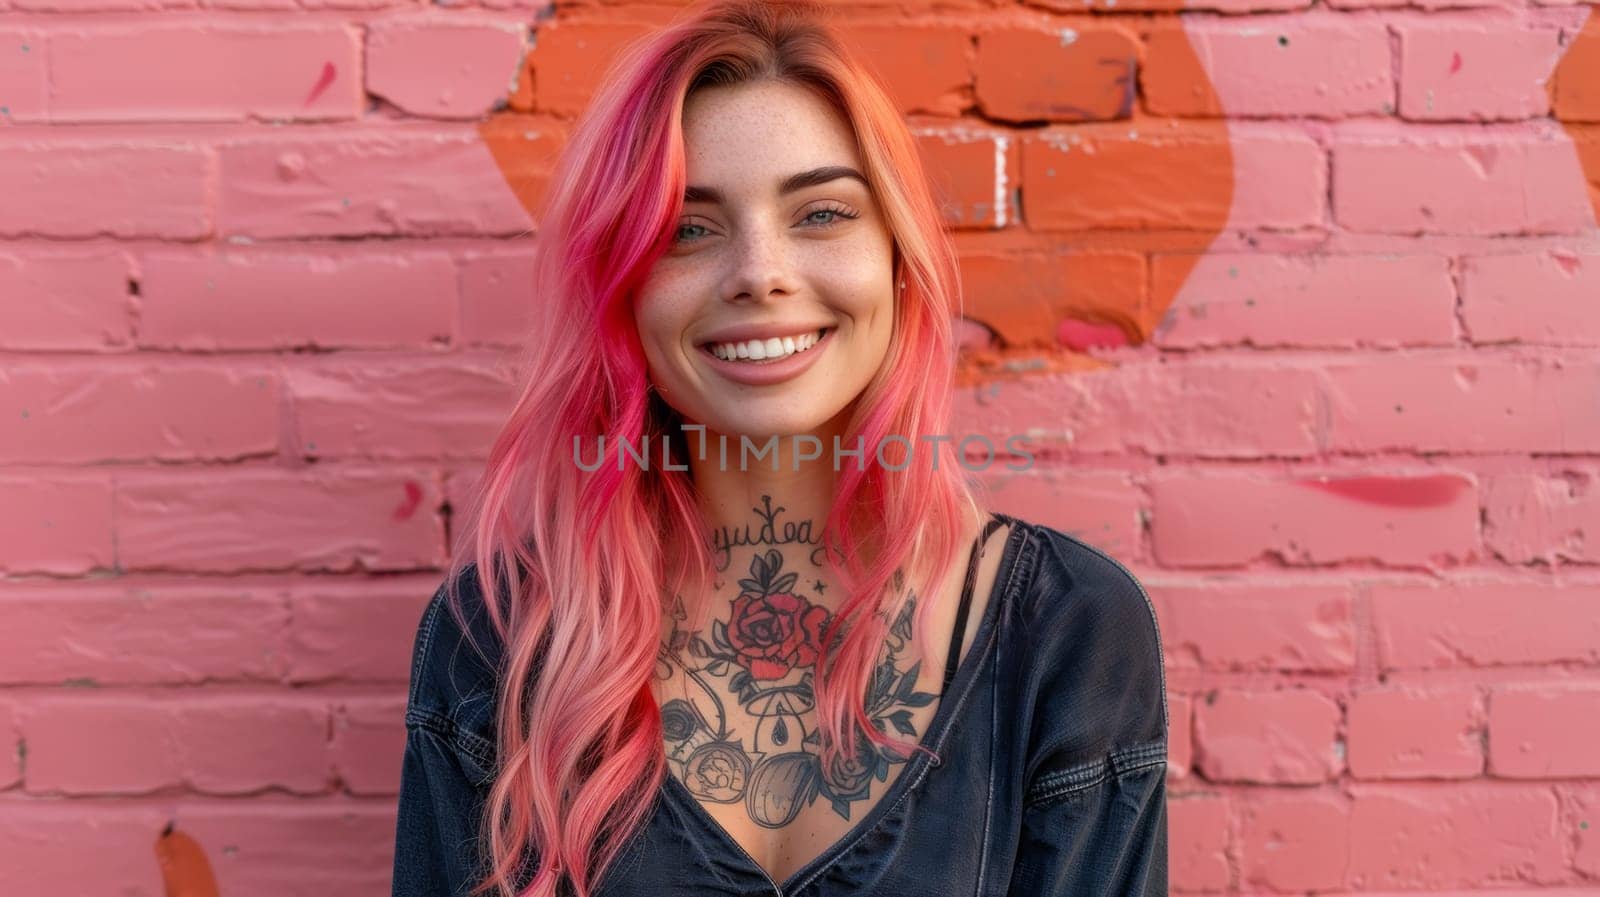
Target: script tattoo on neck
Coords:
[(767, 531)]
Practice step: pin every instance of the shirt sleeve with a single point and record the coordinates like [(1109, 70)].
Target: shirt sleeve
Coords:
[(1096, 828), (446, 770), (436, 830), (1094, 817)]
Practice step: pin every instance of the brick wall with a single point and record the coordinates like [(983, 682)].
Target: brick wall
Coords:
[(1300, 302)]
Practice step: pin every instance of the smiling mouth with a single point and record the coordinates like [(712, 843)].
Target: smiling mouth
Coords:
[(766, 351)]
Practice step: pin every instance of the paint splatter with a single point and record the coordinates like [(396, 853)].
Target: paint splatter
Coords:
[(1455, 62), (328, 73), (1394, 492), (413, 500)]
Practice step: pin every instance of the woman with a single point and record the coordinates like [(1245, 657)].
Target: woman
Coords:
[(732, 545)]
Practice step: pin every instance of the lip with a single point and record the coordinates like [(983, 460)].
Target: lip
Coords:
[(767, 373), (744, 332)]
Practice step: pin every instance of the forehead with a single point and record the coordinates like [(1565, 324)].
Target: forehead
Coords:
[(747, 138)]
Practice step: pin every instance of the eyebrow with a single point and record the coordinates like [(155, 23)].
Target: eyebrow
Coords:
[(790, 184)]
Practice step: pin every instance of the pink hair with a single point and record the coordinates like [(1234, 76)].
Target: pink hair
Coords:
[(581, 756)]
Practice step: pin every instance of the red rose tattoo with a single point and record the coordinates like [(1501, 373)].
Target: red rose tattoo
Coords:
[(773, 634)]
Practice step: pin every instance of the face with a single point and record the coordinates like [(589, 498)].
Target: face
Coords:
[(730, 317)]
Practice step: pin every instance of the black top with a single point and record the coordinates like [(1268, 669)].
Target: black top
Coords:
[(1051, 778)]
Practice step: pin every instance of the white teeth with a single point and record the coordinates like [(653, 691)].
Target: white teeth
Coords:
[(765, 350)]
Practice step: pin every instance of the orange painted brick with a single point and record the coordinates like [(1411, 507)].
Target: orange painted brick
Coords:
[(1023, 299), (972, 175), (924, 68), (569, 58), (1575, 86), (1079, 71), (1126, 177)]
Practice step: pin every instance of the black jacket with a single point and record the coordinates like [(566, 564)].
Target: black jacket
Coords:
[(1053, 782)]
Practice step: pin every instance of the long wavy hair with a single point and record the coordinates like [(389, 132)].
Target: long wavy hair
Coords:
[(578, 566)]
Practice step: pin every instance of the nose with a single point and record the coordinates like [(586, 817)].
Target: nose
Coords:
[(761, 266)]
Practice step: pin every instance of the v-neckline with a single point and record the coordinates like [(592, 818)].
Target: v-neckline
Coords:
[(951, 702)]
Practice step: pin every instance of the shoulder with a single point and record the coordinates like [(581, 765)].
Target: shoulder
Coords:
[(1092, 644), (455, 666)]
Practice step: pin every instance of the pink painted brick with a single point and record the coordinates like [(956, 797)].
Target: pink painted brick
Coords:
[(88, 188), (1547, 732), (82, 412), (1099, 507), (1488, 72), (1420, 733), (1534, 519), (57, 524), (1429, 5), (24, 70), (1243, 625), (439, 69), (214, 743), (395, 184), (368, 744), (1228, 408), (1333, 301), (333, 520), (1482, 184), (272, 847), (1422, 836), (1418, 518), (1470, 625), (278, 300), (231, 73), (1281, 179), (496, 300), (1295, 842), (81, 846), (1198, 841), (321, 646), (1532, 297), (142, 632), (1271, 737), (10, 747), (1180, 734), (65, 302), (460, 483), (416, 408), (1583, 828), (1464, 404), (1279, 67), (267, 846)]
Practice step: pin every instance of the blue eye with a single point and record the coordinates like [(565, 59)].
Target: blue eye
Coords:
[(837, 214)]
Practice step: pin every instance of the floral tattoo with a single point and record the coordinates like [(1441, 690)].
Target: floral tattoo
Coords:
[(767, 650)]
